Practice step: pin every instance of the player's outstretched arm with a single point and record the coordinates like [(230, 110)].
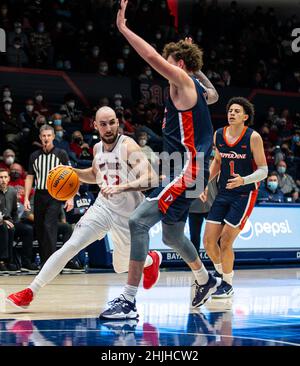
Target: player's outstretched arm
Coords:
[(86, 175), (172, 73)]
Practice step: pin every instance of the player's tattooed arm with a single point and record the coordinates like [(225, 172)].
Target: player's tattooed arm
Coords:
[(212, 95)]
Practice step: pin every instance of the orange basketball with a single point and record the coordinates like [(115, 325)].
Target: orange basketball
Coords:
[(62, 183)]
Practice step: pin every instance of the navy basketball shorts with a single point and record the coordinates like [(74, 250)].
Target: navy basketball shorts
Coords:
[(173, 200), (232, 208)]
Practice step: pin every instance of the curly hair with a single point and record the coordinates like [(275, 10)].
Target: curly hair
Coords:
[(191, 54), (247, 106)]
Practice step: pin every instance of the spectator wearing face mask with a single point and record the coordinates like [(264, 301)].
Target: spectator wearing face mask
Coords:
[(92, 60), (41, 47), (17, 32), (270, 192), (295, 147), (151, 156), (103, 68), (17, 176), (79, 147), (69, 112), (6, 93), (287, 183), (40, 105), (28, 116), (118, 100), (146, 74), (11, 127), (9, 157), (120, 67), (61, 143), (15, 55), (34, 136)]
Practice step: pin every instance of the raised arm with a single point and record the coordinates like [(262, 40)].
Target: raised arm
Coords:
[(173, 73)]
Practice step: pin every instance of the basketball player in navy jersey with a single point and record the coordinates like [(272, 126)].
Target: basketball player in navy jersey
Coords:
[(241, 164), (187, 129)]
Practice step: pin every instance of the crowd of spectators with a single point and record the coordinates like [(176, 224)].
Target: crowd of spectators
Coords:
[(73, 36), (247, 47)]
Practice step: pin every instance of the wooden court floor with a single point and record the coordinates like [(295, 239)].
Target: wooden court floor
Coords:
[(265, 310)]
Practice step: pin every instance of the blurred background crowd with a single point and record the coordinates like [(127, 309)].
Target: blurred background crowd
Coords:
[(243, 48)]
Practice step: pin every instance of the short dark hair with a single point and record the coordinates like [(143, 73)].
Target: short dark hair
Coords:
[(247, 106), (272, 174)]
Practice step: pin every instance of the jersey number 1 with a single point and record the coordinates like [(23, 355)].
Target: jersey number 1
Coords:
[(231, 164)]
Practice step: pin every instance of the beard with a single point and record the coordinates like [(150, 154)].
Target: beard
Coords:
[(110, 139)]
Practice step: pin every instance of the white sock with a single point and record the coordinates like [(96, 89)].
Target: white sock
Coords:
[(148, 261), (201, 275), (218, 267), (35, 286), (130, 292), (227, 277)]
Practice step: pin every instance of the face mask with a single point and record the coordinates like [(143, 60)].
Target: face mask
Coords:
[(126, 51), (57, 122), (96, 53), (143, 142), (158, 36), (9, 160), (17, 46), (59, 64), (7, 107), (29, 108), (39, 98), (41, 29), (59, 134), (296, 138), (281, 169), (15, 175), (148, 73), (213, 153), (67, 65), (89, 28), (118, 103), (120, 67), (78, 140), (272, 186), (103, 68), (18, 30), (6, 93), (71, 104)]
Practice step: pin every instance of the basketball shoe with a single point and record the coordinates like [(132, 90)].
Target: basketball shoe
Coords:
[(203, 292), (151, 273), (224, 291), (21, 299), (120, 308)]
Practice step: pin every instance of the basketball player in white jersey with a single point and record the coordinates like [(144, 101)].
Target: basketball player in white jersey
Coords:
[(116, 160)]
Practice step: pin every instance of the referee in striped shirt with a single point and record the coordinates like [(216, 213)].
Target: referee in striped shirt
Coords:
[(46, 208)]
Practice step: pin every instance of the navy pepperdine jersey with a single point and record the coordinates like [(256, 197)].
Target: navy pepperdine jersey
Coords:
[(190, 130), (235, 158)]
